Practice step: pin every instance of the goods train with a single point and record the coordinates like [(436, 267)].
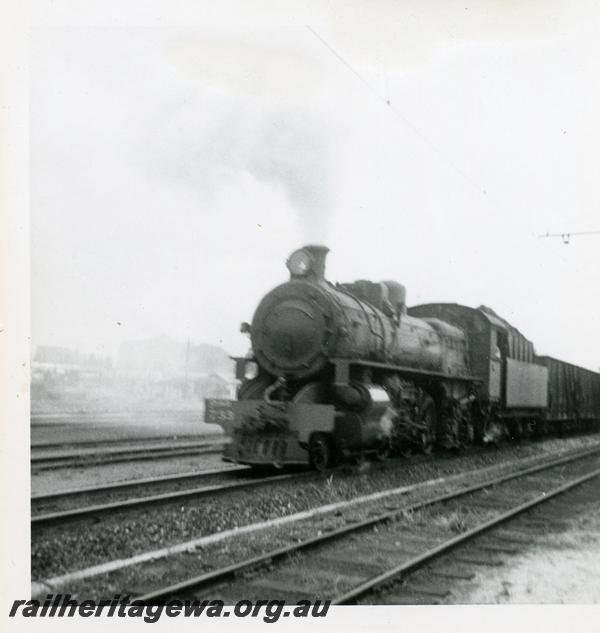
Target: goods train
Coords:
[(343, 370)]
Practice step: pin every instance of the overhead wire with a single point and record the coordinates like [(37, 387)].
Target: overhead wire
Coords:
[(385, 99), (387, 102), (566, 236)]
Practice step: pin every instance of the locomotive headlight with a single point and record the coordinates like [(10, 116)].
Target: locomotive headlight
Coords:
[(300, 263), (250, 370)]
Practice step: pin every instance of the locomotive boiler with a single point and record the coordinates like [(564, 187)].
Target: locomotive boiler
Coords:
[(304, 323), (342, 369)]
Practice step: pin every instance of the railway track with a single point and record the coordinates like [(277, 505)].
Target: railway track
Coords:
[(347, 564), (467, 549), (41, 519), (120, 486), (59, 507), (115, 441), (450, 577), (45, 460)]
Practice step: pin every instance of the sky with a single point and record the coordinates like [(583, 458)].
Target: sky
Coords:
[(173, 169)]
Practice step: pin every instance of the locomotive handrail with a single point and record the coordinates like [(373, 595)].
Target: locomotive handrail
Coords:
[(362, 307), (342, 374), (334, 298), (280, 382)]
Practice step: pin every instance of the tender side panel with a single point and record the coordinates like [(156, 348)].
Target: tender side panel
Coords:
[(526, 385)]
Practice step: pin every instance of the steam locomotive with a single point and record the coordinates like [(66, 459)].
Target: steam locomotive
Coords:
[(338, 370)]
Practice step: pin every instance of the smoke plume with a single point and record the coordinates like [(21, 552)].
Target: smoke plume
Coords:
[(286, 147)]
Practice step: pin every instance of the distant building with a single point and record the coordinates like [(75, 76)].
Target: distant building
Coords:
[(55, 355), (156, 373), (52, 360), (161, 356)]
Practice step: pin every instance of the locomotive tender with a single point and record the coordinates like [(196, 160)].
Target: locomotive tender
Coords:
[(347, 369)]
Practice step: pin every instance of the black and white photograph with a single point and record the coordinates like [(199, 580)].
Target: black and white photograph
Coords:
[(312, 314)]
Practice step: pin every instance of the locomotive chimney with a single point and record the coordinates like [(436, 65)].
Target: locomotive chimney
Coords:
[(319, 255), (308, 262)]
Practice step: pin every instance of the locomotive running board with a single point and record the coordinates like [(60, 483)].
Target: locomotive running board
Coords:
[(342, 371)]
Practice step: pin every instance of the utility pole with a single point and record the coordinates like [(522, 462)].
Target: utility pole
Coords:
[(187, 361), (566, 237)]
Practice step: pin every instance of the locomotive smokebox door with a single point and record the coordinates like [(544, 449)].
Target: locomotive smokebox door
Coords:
[(308, 262)]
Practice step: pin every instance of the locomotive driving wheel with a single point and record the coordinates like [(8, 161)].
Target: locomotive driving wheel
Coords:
[(467, 431), (383, 450), (427, 419), (462, 428), (320, 452)]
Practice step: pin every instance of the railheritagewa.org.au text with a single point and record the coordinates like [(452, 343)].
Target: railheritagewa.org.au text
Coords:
[(119, 606)]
